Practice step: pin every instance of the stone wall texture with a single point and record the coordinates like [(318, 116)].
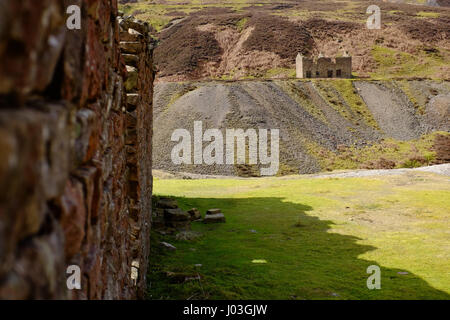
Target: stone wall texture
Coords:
[(75, 150), (323, 67)]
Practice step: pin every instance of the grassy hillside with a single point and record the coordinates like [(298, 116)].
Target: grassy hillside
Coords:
[(259, 39), (317, 236)]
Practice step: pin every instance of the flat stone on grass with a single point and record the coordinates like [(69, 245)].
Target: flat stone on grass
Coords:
[(168, 246), (213, 211), (214, 218)]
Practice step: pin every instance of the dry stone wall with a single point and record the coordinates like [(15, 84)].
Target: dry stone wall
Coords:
[(75, 159)]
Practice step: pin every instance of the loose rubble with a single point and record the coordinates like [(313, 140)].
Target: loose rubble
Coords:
[(214, 216)]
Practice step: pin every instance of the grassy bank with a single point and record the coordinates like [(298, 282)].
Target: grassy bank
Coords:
[(318, 236)]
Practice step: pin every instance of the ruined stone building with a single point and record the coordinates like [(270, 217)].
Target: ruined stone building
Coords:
[(323, 67), (75, 151)]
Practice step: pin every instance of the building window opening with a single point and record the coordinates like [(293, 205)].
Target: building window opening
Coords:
[(338, 73), (308, 74), (330, 73)]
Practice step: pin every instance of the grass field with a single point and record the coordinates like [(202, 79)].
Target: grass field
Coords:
[(318, 236)]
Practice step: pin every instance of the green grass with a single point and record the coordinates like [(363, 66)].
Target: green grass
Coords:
[(405, 86), (404, 154), (396, 64), (280, 73), (344, 11), (156, 13), (351, 97), (301, 97), (240, 25), (318, 237), (178, 94), (391, 63), (343, 97), (428, 14)]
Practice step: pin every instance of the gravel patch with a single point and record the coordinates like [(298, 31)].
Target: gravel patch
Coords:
[(292, 107), (442, 169)]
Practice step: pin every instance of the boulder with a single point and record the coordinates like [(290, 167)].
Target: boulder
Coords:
[(173, 226), (158, 222), (214, 218), (168, 246), (213, 211), (176, 215), (195, 214), (167, 203)]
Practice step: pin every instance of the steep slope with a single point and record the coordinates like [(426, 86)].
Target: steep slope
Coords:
[(323, 124), (260, 39)]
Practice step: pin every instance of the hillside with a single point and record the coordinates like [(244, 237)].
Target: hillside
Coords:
[(232, 65), (259, 39), (324, 125)]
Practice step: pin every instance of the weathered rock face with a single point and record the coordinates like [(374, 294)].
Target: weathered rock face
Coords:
[(75, 159)]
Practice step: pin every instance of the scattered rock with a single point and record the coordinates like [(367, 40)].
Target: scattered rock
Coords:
[(168, 218), (176, 277), (158, 222), (188, 235), (192, 278), (214, 218), (176, 215), (213, 211), (177, 219), (198, 265), (167, 215), (195, 214), (174, 226), (403, 272), (167, 203), (179, 277), (168, 246)]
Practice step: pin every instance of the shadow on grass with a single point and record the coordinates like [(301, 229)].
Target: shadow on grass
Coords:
[(304, 260)]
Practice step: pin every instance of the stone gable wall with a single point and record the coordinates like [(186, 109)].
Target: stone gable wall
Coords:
[(319, 68), (75, 159)]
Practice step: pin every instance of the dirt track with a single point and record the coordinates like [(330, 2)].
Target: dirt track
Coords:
[(442, 169)]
